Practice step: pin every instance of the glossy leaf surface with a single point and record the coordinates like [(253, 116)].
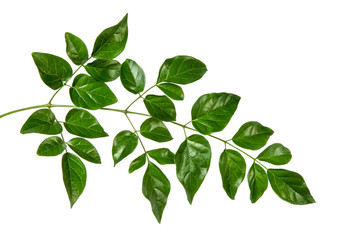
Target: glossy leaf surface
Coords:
[(232, 167), (137, 163), (91, 94), (51, 146), (181, 70), (104, 70), (42, 121), (74, 176), (212, 112), (162, 156), (111, 41), (290, 186), (53, 70), (192, 163), (155, 129), (173, 91), (156, 188), (82, 123), (252, 135), (258, 182), (84, 149), (76, 49), (132, 76), (275, 154), (124, 144), (160, 107)]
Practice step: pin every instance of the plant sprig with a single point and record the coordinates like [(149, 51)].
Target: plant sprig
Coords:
[(210, 113)]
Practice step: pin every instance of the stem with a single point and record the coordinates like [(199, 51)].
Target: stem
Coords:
[(140, 96)]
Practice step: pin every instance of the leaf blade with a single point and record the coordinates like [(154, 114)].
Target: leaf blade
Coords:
[(162, 156), (85, 150), (51, 146), (76, 49), (275, 154), (137, 163), (258, 182), (132, 77), (104, 70), (160, 107), (156, 130), (124, 144), (173, 91)]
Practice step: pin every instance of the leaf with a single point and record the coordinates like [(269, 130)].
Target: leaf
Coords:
[(76, 49), (132, 76), (81, 123), (91, 94), (252, 135), (111, 41), (192, 163), (162, 156), (275, 154), (156, 188), (104, 70), (53, 70), (124, 144), (74, 176), (42, 121), (51, 146), (137, 163), (232, 167), (258, 182), (181, 70), (173, 91), (84, 149), (290, 186), (212, 112), (160, 107), (155, 129)]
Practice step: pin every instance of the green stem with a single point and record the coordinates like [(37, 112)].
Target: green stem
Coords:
[(140, 96)]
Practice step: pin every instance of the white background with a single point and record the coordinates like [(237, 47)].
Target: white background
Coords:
[(281, 57)]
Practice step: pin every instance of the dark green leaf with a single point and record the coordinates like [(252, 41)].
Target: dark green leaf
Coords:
[(258, 182), (76, 49), (85, 149), (290, 186), (81, 123), (51, 146), (42, 121), (132, 76), (181, 70), (104, 70), (91, 94), (156, 188), (111, 41), (276, 154), (252, 135), (192, 163), (232, 167), (212, 112), (74, 176), (160, 107), (155, 129), (171, 90), (162, 156), (137, 163), (53, 69), (124, 144)]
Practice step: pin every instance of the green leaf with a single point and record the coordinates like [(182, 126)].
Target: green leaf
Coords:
[(137, 163), (51, 146), (155, 129), (124, 144), (276, 154), (212, 112), (162, 156), (81, 123), (111, 41), (132, 76), (160, 107), (192, 163), (74, 176), (290, 186), (42, 121), (173, 91), (232, 167), (181, 70), (85, 149), (252, 135), (258, 182), (76, 49), (104, 70), (53, 70), (91, 94), (156, 188)]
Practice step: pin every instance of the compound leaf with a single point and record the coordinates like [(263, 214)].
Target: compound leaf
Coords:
[(132, 76), (258, 182), (124, 144), (84, 149), (51, 146), (275, 154), (155, 129), (162, 156), (173, 91), (104, 70), (160, 107), (137, 163), (76, 49)]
